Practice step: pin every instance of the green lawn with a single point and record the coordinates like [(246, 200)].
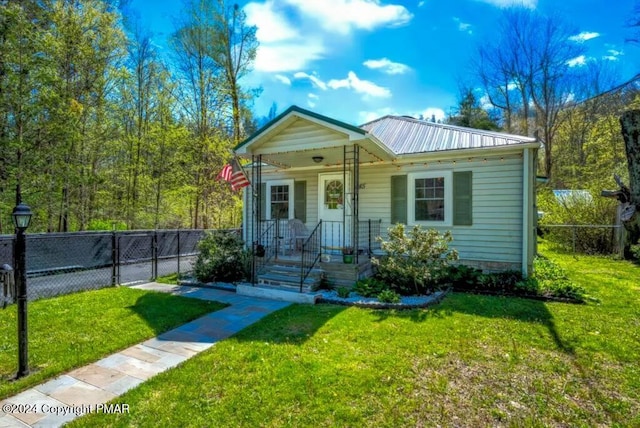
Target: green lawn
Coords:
[(71, 331), (471, 361)]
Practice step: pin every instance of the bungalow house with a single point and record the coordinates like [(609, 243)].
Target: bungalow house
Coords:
[(320, 185)]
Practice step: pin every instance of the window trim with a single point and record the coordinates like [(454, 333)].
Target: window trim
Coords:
[(289, 183), (448, 198)]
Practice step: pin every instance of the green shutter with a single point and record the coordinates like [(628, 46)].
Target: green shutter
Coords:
[(398, 199), (300, 202), (462, 198), (263, 201)]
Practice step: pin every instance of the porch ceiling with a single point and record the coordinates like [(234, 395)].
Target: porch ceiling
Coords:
[(331, 157)]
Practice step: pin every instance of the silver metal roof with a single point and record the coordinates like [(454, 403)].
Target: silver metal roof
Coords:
[(405, 135)]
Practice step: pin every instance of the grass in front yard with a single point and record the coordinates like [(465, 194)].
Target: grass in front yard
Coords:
[(169, 279), (70, 331), (471, 361)]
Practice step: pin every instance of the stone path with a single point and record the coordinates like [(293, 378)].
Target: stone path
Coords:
[(88, 388)]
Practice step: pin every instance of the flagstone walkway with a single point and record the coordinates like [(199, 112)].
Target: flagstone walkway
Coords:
[(86, 389)]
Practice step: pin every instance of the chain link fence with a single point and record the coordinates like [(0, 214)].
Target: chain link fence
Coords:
[(63, 263)]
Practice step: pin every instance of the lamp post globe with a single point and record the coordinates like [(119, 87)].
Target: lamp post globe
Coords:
[(21, 216)]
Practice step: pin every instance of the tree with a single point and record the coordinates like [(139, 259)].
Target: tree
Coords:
[(470, 114), (528, 67), (629, 196), (234, 53), (213, 48)]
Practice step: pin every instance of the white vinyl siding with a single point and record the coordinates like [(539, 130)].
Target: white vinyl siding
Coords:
[(496, 232), (303, 135)]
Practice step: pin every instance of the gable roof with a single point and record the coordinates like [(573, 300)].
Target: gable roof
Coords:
[(295, 110), (406, 135)]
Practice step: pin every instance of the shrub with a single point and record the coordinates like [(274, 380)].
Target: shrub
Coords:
[(370, 287), (343, 292), (416, 261), (107, 225), (552, 281), (462, 277), (389, 296), (222, 257), (635, 250), (581, 209)]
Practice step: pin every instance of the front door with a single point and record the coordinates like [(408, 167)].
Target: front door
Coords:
[(331, 206)]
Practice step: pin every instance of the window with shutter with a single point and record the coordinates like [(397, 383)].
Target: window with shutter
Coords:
[(398, 199), (300, 203), (462, 198)]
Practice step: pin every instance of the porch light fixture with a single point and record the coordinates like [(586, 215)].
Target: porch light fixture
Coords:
[(317, 159)]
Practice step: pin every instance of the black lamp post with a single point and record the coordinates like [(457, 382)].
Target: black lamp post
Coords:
[(21, 219)]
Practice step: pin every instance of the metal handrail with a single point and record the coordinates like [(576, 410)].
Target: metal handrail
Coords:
[(313, 241), (263, 240)]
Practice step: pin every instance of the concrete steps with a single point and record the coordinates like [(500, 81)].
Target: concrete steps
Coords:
[(287, 276)]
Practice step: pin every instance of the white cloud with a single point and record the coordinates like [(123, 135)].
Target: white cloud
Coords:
[(281, 46), (368, 116), (531, 4), (314, 79), (272, 26), (283, 79), (387, 66), (345, 15), (421, 3), (311, 103), (313, 96), (463, 26), (577, 61), (584, 36), (364, 87), (288, 46), (613, 55)]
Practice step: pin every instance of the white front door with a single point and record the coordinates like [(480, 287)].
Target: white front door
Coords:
[(331, 205)]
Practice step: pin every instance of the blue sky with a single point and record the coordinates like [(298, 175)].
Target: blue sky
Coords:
[(355, 60)]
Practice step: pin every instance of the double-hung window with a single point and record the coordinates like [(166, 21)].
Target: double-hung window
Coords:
[(430, 198)]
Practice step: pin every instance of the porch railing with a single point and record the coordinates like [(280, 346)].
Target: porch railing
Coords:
[(310, 253), (367, 242), (368, 233), (265, 247)]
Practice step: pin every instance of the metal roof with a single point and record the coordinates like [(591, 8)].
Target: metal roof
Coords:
[(405, 135)]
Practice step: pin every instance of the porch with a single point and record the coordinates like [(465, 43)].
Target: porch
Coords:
[(287, 259)]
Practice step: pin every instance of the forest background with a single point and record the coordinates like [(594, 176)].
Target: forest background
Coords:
[(101, 131)]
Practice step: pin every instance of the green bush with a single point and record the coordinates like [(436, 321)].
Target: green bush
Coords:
[(635, 250), (552, 281), (462, 277), (106, 225), (415, 262), (578, 210), (369, 287), (389, 296), (222, 258), (343, 292), (548, 280)]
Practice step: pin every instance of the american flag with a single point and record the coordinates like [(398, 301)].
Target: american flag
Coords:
[(234, 174)]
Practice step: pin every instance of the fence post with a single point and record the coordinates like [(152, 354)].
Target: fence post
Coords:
[(114, 259), (154, 255), (178, 239), (573, 229)]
